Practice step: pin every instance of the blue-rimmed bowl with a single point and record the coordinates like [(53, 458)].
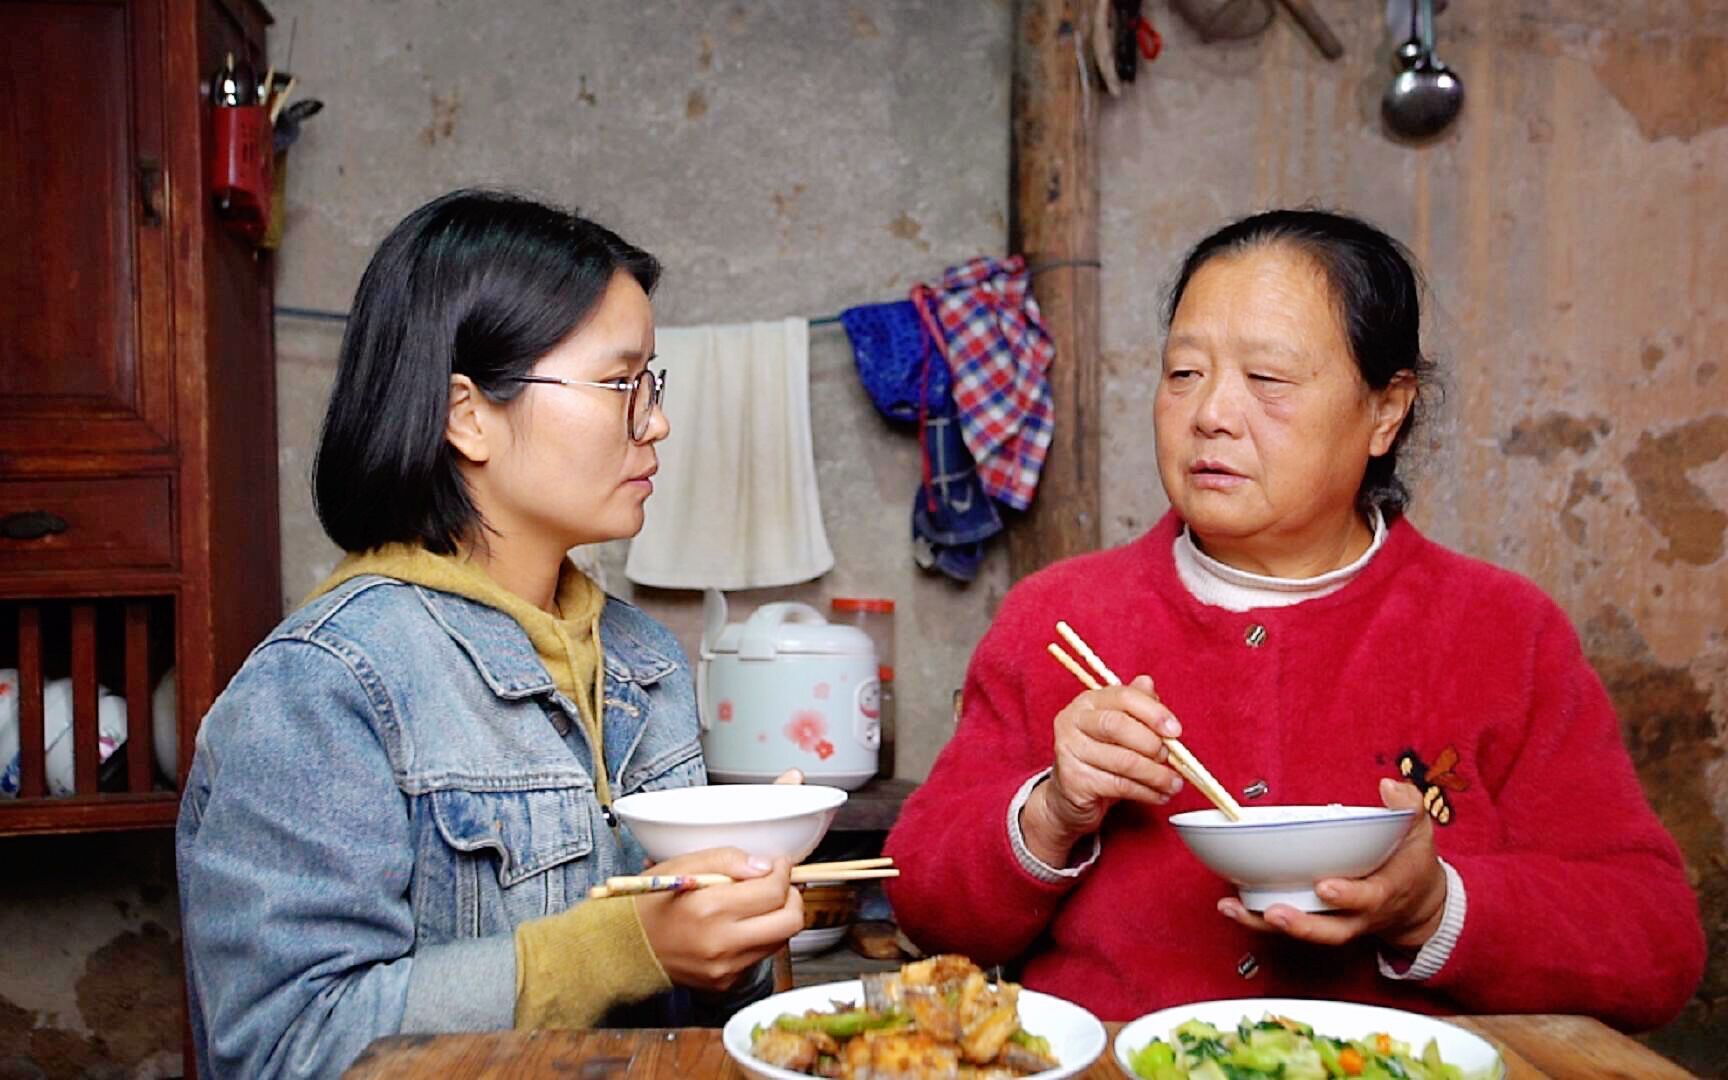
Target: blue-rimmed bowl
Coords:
[(1275, 854)]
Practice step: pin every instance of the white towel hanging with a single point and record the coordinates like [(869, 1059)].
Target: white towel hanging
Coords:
[(735, 503)]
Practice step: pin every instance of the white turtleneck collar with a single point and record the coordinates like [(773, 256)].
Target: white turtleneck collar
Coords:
[(1217, 585)]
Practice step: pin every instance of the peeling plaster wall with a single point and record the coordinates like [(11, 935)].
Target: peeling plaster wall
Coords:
[(781, 158), (1574, 230)]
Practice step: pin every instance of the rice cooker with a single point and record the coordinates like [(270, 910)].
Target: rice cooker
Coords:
[(785, 689)]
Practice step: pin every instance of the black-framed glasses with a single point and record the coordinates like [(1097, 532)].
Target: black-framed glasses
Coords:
[(638, 407)]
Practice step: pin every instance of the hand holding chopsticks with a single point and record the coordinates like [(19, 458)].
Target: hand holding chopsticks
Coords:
[(1181, 758), (704, 940), (804, 873)]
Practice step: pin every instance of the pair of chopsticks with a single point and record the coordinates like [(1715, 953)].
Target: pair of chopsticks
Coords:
[(279, 99), (1181, 757), (272, 99), (802, 874)]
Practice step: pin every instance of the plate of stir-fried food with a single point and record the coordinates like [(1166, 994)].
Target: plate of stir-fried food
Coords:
[(1298, 1039), (936, 1019)]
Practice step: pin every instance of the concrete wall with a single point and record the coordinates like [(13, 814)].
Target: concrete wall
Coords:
[(780, 158), (794, 158)]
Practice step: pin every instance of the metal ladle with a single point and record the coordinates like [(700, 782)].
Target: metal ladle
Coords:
[(1424, 96)]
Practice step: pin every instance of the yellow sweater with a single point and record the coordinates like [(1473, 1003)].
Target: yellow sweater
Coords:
[(574, 966)]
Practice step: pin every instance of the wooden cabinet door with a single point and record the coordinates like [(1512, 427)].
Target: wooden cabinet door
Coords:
[(85, 365)]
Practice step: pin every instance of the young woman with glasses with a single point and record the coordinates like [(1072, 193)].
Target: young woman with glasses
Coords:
[(401, 800)]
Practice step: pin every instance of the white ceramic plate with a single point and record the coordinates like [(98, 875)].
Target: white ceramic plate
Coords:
[(1336, 1019), (1076, 1037)]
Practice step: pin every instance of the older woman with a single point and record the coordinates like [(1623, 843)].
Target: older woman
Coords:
[(1317, 649)]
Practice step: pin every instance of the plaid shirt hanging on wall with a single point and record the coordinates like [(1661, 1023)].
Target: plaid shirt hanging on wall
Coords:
[(998, 353)]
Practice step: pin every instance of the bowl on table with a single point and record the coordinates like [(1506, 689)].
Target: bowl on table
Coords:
[(1275, 854), (769, 820), (829, 908)]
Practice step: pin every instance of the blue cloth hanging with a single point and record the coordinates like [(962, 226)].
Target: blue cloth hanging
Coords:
[(951, 514), (906, 375), (888, 346)]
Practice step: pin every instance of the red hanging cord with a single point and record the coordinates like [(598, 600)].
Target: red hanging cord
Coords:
[(1151, 41), (922, 298)]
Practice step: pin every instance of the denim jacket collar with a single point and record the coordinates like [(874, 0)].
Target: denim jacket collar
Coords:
[(506, 660)]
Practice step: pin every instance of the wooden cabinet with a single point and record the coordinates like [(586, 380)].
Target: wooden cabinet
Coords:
[(138, 497)]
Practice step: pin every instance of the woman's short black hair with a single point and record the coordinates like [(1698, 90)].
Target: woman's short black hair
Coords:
[(475, 283), (1379, 296)]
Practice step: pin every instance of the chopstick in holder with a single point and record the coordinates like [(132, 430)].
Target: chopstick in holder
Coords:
[(282, 98), (803, 874), (1180, 756)]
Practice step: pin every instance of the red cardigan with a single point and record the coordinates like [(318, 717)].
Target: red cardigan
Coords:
[(1577, 898)]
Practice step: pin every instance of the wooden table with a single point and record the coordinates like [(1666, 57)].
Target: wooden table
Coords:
[(1533, 1046), (874, 807)]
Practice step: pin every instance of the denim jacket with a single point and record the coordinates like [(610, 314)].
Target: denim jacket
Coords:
[(384, 791)]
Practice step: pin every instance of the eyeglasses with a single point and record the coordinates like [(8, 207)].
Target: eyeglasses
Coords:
[(638, 408)]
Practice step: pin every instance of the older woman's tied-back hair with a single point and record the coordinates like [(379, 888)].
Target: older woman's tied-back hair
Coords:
[(475, 283), (1375, 285)]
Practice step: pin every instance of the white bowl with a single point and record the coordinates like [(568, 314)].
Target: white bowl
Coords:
[(1336, 1019), (770, 820), (1275, 854), (811, 942), (1076, 1037)]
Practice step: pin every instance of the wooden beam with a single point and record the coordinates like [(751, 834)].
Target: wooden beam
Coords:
[(1056, 222)]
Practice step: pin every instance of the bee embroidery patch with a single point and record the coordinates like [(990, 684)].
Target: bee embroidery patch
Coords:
[(1434, 781)]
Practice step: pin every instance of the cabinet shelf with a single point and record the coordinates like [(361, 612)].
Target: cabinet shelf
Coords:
[(107, 812), (138, 490)]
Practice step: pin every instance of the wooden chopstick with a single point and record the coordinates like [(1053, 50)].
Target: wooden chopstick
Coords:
[(802, 874), (1180, 756), (282, 98), (1073, 665), (848, 864)]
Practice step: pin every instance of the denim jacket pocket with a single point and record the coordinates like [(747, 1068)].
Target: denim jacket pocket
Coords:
[(676, 767), (507, 848)]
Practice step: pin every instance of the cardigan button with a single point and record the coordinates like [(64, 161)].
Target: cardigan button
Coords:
[(1256, 790), (1255, 636), (1247, 967)]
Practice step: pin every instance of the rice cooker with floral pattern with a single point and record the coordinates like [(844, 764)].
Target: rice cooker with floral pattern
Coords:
[(786, 689)]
